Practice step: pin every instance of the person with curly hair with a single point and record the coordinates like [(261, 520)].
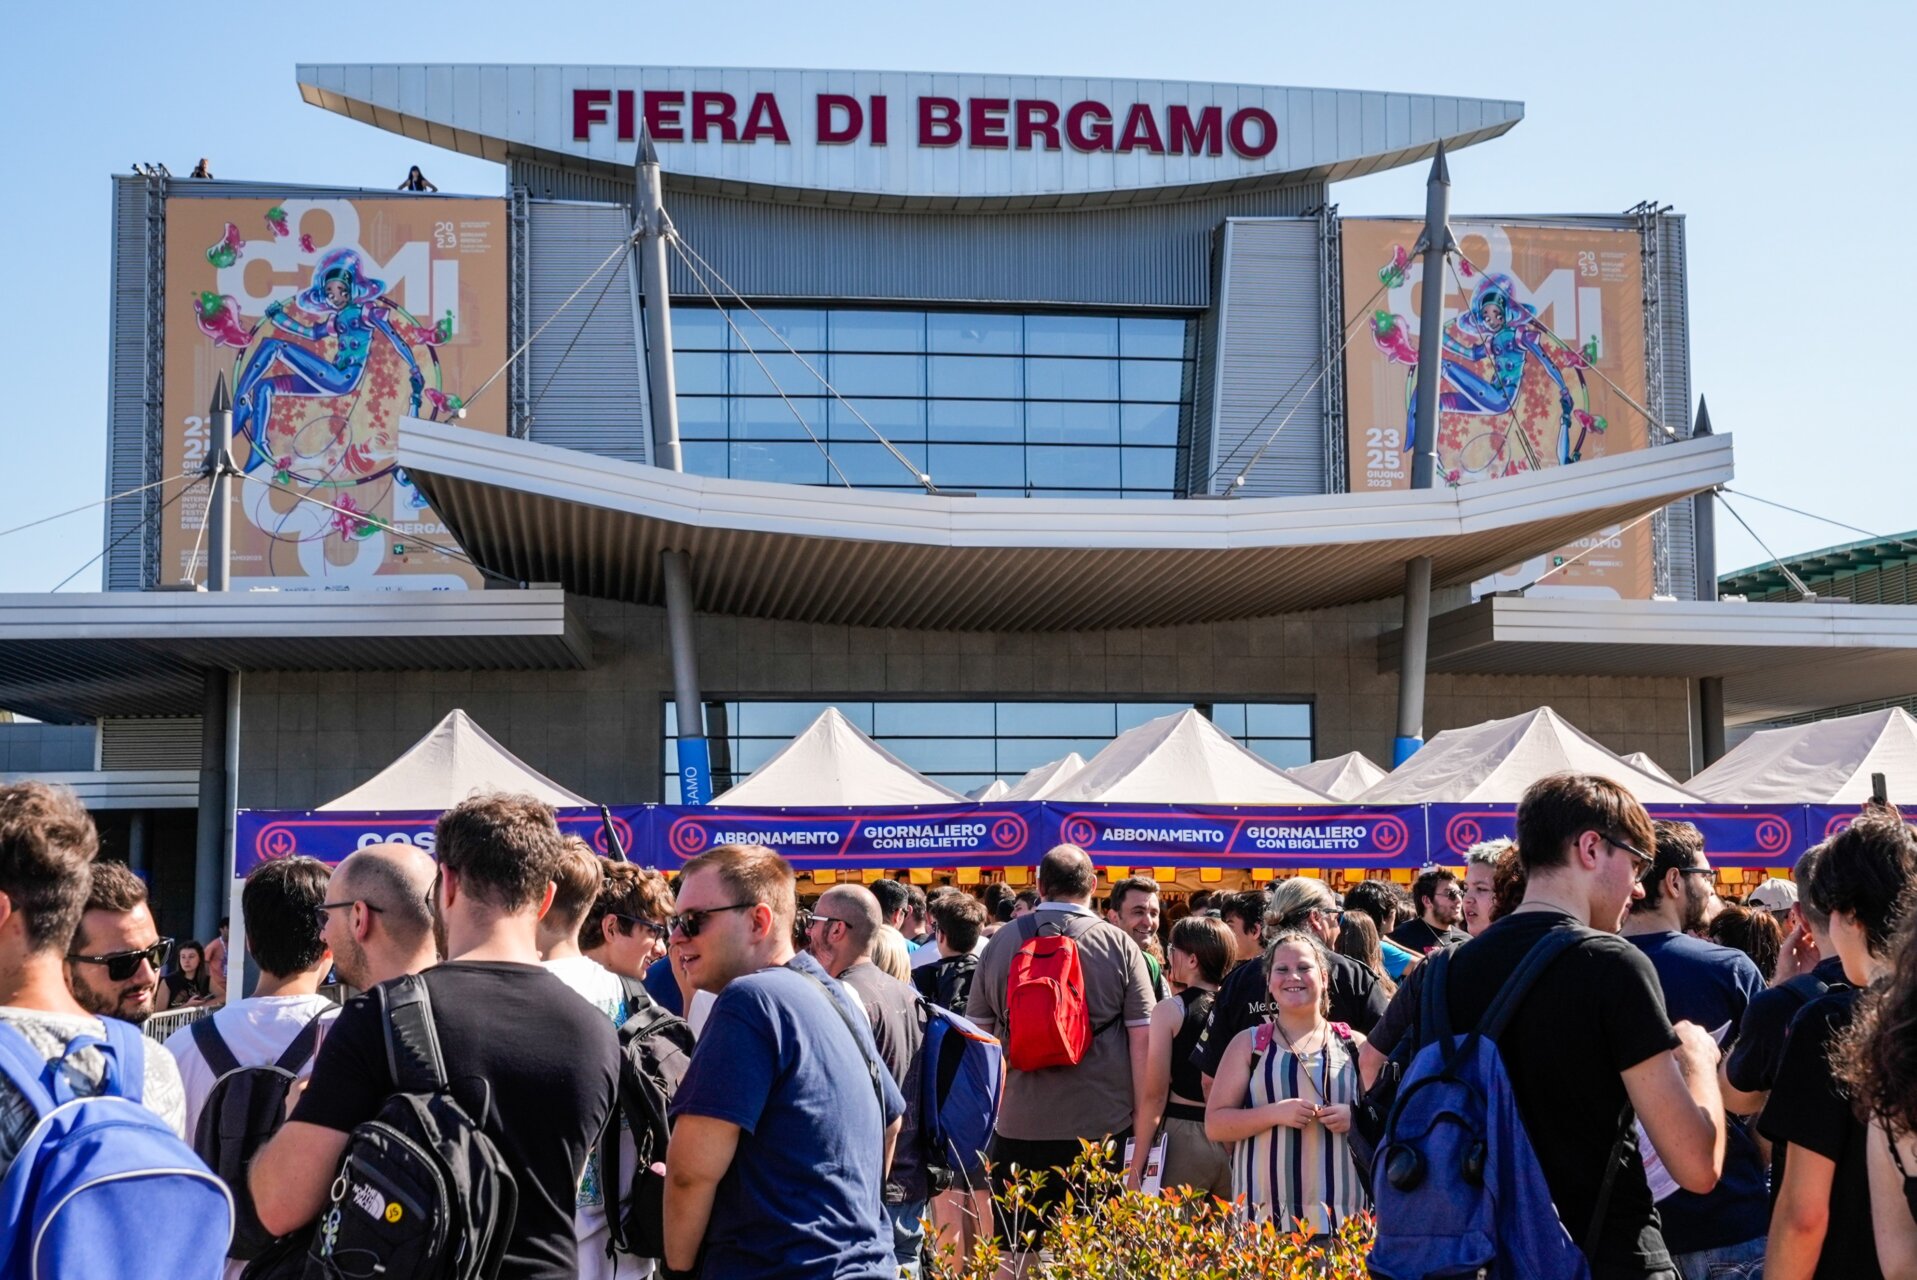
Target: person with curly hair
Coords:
[(1821, 1214), (1752, 930)]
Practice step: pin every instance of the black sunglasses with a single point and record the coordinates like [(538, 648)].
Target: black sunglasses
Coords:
[(324, 907), (660, 927), (688, 923), (121, 965)]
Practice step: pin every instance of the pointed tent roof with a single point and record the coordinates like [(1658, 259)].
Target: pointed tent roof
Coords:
[(832, 763), (455, 760), (1824, 762), (1047, 778), (1493, 763), (996, 789), (1183, 759), (1343, 777), (1642, 759)]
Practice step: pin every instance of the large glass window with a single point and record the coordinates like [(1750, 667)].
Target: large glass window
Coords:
[(1053, 404), (967, 744)]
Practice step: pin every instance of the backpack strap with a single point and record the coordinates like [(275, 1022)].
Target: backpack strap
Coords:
[(1434, 1006), (302, 1045), (125, 1061), (413, 1057), (1625, 1128), (23, 1065), (212, 1046), (871, 1062)]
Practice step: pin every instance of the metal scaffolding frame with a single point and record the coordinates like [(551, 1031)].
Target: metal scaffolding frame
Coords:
[(1332, 346), (153, 395), (519, 307), (1649, 230)]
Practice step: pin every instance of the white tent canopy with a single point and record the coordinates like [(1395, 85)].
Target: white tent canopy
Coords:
[(1047, 778), (1182, 759), (1824, 762), (996, 789), (1344, 777), (1493, 763), (456, 760), (1642, 759), (832, 763)]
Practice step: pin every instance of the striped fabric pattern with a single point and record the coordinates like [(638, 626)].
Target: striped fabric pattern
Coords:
[(1287, 1175)]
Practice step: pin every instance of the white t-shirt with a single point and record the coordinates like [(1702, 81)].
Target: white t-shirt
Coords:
[(50, 1033), (256, 1031), (601, 988)]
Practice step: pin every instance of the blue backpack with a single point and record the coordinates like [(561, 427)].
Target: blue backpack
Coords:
[(97, 1172), (1458, 1187), (959, 1103)]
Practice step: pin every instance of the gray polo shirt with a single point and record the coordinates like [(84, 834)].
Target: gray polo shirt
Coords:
[(1094, 1098)]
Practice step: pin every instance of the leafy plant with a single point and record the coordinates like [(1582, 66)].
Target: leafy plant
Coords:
[(1103, 1231)]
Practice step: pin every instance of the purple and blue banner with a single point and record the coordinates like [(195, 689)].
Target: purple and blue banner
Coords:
[(1017, 834)]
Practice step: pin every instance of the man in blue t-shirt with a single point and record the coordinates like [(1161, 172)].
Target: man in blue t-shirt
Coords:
[(1712, 986), (784, 1126)]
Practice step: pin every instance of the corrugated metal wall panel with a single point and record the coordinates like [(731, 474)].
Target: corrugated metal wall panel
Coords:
[(1679, 522), (1134, 256), (584, 385), (1271, 348), (127, 464), (158, 742)]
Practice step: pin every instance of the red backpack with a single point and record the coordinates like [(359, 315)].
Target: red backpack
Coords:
[(1045, 1010)]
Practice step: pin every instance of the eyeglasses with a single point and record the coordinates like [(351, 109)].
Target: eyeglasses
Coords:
[(657, 926), (687, 924), (1454, 893), (121, 965), (809, 918), (1696, 871), (324, 907), (1641, 859)]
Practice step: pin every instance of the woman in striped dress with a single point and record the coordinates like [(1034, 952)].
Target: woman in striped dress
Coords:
[(1284, 1094)]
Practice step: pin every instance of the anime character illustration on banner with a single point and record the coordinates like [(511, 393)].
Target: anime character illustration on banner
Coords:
[(346, 317), (1541, 365)]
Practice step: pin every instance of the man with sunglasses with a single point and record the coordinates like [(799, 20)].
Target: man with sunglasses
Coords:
[(377, 919), (1712, 986), (1440, 903), (1591, 1045), (114, 963), (47, 846), (784, 1125)]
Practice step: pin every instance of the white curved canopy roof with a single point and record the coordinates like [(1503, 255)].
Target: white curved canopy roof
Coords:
[(1182, 759), (830, 554), (1493, 763)]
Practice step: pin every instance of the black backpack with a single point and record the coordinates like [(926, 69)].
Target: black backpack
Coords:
[(246, 1107), (422, 1191), (947, 982), (655, 1048)]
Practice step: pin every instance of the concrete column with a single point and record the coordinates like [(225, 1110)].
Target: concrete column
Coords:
[(136, 851), (210, 861)]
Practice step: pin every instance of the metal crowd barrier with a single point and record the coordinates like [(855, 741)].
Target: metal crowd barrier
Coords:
[(165, 1023)]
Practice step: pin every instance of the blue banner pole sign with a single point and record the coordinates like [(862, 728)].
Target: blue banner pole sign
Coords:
[(695, 771)]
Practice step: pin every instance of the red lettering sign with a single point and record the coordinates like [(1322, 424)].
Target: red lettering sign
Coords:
[(987, 117), (878, 119), (625, 115), (1098, 137), (711, 109), (831, 106), (1267, 132), (1037, 119), (1141, 130), (662, 107), (939, 122), (588, 109), (1202, 137), (764, 121)]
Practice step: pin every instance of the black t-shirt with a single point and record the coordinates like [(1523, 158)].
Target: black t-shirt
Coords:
[(947, 981), (1244, 1001), (1809, 1109), (1400, 1016), (1752, 1065), (1186, 1081), (1594, 1013), (1420, 937), (551, 1059)]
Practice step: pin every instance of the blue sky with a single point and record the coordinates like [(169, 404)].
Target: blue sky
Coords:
[(1776, 128)]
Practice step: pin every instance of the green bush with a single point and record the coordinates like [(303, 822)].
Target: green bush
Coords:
[(1105, 1232)]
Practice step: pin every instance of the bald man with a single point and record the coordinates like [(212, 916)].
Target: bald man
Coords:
[(376, 917), (840, 934)]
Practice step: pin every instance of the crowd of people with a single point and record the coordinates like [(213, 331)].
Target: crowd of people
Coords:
[(710, 1076)]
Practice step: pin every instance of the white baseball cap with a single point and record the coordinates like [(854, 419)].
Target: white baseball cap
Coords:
[(1774, 895)]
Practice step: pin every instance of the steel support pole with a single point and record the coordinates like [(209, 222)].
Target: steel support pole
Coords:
[(695, 757), (219, 498), (650, 231), (1710, 689), (209, 861), (1424, 460)]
